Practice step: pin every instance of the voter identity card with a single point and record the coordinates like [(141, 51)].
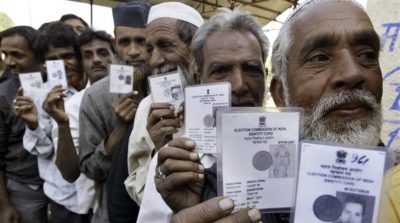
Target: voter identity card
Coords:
[(121, 78), (167, 88), (257, 156), (32, 84), (201, 105), (339, 182), (56, 73)]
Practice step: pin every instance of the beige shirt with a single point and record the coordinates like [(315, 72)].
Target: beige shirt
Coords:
[(139, 152)]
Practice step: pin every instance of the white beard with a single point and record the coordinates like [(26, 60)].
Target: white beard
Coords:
[(362, 131)]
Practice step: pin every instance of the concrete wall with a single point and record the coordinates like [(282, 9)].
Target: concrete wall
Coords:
[(385, 15)]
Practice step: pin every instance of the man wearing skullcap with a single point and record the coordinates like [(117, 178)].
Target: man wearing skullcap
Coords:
[(169, 33), (104, 117)]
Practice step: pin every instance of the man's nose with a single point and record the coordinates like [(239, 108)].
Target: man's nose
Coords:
[(349, 74), (133, 51), (238, 82), (9, 61), (156, 59), (96, 58)]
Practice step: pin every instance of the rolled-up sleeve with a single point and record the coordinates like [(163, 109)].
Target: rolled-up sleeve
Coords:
[(37, 143)]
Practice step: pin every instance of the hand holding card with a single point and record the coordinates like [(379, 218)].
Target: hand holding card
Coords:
[(180, 175), (54, 105), (25, 108), (162, 123), (167, 95), (125, 107)]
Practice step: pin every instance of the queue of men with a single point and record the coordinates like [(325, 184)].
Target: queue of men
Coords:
[(89, 155)]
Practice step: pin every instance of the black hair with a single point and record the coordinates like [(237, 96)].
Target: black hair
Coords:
[(73, 16), (56, 34), (44, 26), (30, 34), (90, 35)]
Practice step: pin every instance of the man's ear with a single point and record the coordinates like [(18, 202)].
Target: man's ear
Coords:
[(277, 92)]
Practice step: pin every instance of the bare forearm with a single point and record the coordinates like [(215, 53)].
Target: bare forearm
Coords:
[(115, 137), (67, 159)]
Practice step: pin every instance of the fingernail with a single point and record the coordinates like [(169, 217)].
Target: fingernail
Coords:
[(201, 168), (194, 156), (254, 214), (201, 176), (226, 204), (180, 108), (135, 92), (190, 143)]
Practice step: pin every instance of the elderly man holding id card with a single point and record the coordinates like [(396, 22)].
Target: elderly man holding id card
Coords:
[(239, 60), (324, 61), (169, 32)]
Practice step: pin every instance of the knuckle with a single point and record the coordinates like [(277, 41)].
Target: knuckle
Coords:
[(162, 153), (167, 165)]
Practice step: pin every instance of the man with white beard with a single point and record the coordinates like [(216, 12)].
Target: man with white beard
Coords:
[(334, 76), (325, 59)]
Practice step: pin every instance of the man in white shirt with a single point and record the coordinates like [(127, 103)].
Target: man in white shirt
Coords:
[(97, 54), (58, 41), (170, 29)]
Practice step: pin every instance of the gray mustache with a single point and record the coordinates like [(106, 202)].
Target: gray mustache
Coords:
[(326, 104), (246, 99)]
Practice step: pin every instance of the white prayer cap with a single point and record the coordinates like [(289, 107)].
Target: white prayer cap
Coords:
[(175, 10)]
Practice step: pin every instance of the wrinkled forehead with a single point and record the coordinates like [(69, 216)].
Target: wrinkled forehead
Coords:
[(161, 26), (330, 23)]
